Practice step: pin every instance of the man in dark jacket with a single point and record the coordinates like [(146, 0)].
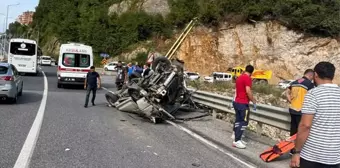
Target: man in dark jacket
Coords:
[(122, 75), (91, 85)]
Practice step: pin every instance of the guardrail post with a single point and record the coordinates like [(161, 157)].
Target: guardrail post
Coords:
[(259, 128), (214, 114)]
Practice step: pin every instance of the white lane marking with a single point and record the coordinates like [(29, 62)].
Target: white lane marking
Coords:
[(200, 138), (26, 152)]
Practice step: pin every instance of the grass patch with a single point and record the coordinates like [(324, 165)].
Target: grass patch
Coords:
[(267, 89), (228, 86)]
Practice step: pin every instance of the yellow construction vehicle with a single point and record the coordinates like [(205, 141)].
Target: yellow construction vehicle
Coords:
[(258, 76)]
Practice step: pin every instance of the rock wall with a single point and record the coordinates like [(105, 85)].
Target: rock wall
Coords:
[(149, 6), (266, 45)]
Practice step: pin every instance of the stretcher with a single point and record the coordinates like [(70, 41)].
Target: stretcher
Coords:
[(278, 149)]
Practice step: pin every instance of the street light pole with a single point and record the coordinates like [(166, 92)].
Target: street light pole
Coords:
[(7, 17)]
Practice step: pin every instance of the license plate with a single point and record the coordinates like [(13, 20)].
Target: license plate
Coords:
[(22, 65)]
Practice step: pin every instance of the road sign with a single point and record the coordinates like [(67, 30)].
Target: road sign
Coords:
[(104, 55), (151, 58), (104, 61)]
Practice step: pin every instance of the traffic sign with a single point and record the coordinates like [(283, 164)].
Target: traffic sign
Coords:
[(104, 55), (150, 58), (104, 61)]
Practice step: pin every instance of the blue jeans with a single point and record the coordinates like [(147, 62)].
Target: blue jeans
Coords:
[(88, 92), (241, 119)]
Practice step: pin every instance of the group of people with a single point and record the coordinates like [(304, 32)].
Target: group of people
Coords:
[(315, 116), (126, 73)]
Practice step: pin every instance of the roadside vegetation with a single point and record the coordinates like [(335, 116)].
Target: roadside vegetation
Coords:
[(87, 21)]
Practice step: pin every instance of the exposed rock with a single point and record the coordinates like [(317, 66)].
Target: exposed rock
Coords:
[(266, 45), (262, 129), (149, 6)]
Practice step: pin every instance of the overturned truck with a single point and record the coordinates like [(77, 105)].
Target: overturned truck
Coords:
[(158, 96)]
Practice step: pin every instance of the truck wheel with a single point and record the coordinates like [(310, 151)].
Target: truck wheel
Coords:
[(164, 62), (263, 82), (111, 98)]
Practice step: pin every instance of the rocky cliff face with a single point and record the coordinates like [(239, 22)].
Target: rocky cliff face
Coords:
[(266, 45), (149, 6)]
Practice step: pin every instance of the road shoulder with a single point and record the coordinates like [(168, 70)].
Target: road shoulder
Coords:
[(220, 132)]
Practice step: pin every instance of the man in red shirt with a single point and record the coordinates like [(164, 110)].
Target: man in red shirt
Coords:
[(243, 95)]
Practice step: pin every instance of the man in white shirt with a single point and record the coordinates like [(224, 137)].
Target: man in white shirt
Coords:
[(318, 138)]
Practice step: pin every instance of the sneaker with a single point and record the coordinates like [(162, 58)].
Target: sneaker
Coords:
[(244, 142), (239, 145)]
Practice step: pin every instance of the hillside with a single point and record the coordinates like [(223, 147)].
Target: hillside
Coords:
[(285, 36)]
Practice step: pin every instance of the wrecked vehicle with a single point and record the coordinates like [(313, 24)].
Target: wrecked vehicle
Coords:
[(163, 93), (158, 96)]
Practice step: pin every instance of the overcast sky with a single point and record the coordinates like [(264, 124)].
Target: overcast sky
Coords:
[(15, 11)]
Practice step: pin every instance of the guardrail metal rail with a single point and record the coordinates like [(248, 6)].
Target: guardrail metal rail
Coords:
[(264, 114)]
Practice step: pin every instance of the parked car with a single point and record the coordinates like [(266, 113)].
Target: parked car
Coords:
[(218, 76), (285, 84), (192, 75), (11, 83), (112, 66)]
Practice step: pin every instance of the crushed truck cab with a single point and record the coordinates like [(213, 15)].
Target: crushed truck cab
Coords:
[(258, 76)]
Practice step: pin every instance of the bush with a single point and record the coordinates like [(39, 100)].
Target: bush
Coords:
[(141, 58), (228, 86), (267, 89)]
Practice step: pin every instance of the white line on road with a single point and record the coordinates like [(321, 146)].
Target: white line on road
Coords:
[(26, 152), (200, 138)]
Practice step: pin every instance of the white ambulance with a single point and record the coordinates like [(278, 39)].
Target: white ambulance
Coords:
[(74, 63)]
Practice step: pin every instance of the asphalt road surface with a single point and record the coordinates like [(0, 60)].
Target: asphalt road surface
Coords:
[(72, 136)]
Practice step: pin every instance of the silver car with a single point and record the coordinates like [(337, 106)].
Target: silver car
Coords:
[(11, 83)]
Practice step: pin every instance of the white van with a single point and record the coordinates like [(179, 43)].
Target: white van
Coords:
[(74, 62), (218, 76), (45, 60)]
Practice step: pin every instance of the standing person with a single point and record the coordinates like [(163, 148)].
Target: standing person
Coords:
[(295, 94), (146, 70), (243, 95), (318, 137), (122, 75), (130, 68), (91, 85)]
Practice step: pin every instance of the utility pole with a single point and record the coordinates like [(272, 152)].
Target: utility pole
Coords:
[(7, 18)]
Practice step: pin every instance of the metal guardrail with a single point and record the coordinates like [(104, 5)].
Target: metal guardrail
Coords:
[(265, 114)]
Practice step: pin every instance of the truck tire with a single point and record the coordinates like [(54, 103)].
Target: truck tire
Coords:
[(166, 64), (111, 98), (263, 82)]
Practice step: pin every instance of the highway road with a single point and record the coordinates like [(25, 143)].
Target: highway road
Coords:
[(72, 136)]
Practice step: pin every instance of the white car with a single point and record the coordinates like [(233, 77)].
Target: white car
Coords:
[(285, 84), (192, 75), (112, 66), (46, 60)]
